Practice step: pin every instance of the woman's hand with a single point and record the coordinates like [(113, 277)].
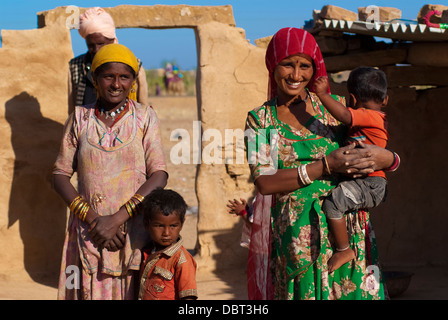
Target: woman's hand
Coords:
[(381, 158), (103, 229), (350, 160), (359, 161), (117, 242)]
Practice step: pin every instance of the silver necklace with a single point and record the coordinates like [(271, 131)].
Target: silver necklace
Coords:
[(116, 112)]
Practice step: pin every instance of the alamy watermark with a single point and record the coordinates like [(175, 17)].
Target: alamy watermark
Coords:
[(225, 147), (73, 277), (373, 17), (72, 20)]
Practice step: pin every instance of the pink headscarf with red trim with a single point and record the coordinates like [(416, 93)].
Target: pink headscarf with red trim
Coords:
[(289, 41)]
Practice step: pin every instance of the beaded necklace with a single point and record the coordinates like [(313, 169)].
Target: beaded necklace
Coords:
[(114, 113), (111, 114)]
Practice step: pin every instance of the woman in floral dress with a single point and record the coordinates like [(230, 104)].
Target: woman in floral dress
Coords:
[(294, 151), (114, 146)]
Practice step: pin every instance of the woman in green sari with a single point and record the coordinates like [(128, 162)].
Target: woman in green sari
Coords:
[(294, 153)]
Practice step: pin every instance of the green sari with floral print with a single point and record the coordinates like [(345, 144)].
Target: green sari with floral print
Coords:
[(301, 243)]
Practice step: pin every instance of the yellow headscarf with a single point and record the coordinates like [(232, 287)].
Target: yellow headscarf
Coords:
[(117, 53)]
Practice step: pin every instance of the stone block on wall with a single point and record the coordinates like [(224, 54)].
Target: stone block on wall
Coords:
[(428, 54), (402, 95), (405, 76), (444, 18), (376, 58), (331, 45), (428, 7), (263, 42), (156, 16), (337, 13)]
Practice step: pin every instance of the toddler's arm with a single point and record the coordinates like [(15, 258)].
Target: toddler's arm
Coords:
[(337, 110), (236, 207)]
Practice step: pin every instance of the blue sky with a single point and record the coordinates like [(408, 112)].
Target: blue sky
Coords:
[(259, 18)]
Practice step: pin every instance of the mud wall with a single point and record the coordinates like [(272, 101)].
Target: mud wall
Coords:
[(34, 109)]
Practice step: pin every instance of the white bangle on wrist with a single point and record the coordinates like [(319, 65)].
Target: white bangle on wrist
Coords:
[(303, 175)]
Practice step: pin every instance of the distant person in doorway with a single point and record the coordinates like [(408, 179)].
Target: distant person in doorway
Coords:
[(97, 27)]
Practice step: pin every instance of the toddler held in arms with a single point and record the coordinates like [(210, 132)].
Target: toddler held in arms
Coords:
[(367, 89)]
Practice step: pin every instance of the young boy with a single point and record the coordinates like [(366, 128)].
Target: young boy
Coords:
[(367, 89), (168, 270)]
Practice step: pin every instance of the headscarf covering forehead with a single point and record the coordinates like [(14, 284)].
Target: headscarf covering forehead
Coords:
[(116, 53), (287, 42), (96, 20)]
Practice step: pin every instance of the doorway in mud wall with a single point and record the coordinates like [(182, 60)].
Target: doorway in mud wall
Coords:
[(169, 52)]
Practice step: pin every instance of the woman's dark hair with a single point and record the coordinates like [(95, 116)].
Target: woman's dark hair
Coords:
[(164, 201), (103, 66), (367, 84)]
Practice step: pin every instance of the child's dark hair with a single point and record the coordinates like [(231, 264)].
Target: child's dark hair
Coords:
[(367, 84), (166, 202)]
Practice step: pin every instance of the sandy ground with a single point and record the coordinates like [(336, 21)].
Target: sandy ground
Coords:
[(428, 283)]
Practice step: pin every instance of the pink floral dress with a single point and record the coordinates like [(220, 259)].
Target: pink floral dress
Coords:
[(111, 164)]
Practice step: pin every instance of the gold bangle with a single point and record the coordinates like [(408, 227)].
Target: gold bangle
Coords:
[(129, 209), (75, 203), (83, 212), (139, 197), (132, 204), (326, 166), (78, 207)]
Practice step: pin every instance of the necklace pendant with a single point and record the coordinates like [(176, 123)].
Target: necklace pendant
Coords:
[(113, 114)]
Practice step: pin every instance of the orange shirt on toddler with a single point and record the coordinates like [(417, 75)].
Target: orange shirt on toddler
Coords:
[(369, 126)]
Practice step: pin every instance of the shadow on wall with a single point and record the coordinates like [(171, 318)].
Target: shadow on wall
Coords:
[(33, 203), (231, 262)]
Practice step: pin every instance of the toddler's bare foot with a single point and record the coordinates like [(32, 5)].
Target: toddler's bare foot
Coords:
[(339, 258)]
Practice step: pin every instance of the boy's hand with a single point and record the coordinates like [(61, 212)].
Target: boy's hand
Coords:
[(321, 85)]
